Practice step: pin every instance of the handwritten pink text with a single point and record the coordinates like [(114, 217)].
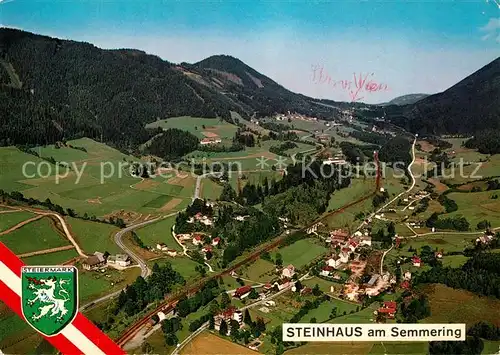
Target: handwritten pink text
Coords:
[(355, 87)]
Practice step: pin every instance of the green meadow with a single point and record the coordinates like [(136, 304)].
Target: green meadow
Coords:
[(195, 125), (10, 219), (98, 181), (94, 236), (301, 252), (38, 235), (159, 232), (51, 259)]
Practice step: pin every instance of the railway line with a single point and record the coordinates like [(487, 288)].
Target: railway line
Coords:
[(169, 303)]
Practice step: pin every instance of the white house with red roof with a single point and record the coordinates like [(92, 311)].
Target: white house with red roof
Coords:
[(215, 241), (352, 244), (326, 271), (417, 262), (197, 239)]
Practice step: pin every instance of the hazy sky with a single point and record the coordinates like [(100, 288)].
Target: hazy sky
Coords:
[(410, 46)]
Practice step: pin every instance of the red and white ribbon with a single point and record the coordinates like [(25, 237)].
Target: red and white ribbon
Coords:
[(79, 337)]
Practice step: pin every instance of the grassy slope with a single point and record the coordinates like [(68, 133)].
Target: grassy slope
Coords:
[(34, 236), (8, 220), (93, 236)]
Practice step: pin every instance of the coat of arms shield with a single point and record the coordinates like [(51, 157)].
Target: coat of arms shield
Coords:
[(49, 297)]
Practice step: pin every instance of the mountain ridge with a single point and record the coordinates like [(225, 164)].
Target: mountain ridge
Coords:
[(471, 105)]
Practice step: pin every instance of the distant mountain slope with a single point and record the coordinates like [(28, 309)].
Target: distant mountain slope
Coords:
[(65, 89), (249, 89), (467, 107), (405, 99)]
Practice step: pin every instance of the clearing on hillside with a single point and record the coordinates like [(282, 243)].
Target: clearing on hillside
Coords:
[(209, 344)]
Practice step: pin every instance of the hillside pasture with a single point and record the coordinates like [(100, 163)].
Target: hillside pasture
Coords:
[(159, 232), (94, 236), (210, 344), (97, 183), (213, 126), (477, 206), (449, 305), (38, 235), (300, 253), (10, 219), (57, 258)]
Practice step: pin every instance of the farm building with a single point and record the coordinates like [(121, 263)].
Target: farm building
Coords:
[(95, 261), (122, 260)]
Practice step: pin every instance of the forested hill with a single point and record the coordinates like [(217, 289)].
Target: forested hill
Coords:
[(250, 90), (52, 89), (471, 105), (406, 99)]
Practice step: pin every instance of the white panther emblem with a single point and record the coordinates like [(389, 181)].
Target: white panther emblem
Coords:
[(50, 302)]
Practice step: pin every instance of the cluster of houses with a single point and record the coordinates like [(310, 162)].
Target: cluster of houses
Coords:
[(195, 238), (486, 238), (227, 316), (389, 309), (340, 239), (201, 219), (100, 260), (211, 140), (164, 248), (294, 116)]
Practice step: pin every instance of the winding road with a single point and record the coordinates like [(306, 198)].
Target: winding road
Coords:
[(413, 182)]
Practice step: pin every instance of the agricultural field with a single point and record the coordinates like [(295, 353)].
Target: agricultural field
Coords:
[(301, 252), (37, 235), (324, 285), (486, 167), (357, 348), (10, 219), (208, 343), (446, 242), (477, 206), (449, 305), (17, 337), (94, 236), (454, 260), (159, 232), (347, 348), (259, 271), (93, 284), (97, 183), (391, 181), (347, 218), (182, 264), (210, 190), (357, 189), (200, 127), (282, 312), (322, 313), (56, 258)]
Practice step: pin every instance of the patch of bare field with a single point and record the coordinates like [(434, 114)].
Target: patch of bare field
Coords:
[(440, 187), (96, 201), (183, 180), (146, 184), (170, 205), (209, 344), (426, 146), (210, 134)]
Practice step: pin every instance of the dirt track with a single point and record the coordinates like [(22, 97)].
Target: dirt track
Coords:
[(46, 251), (21, 224)]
